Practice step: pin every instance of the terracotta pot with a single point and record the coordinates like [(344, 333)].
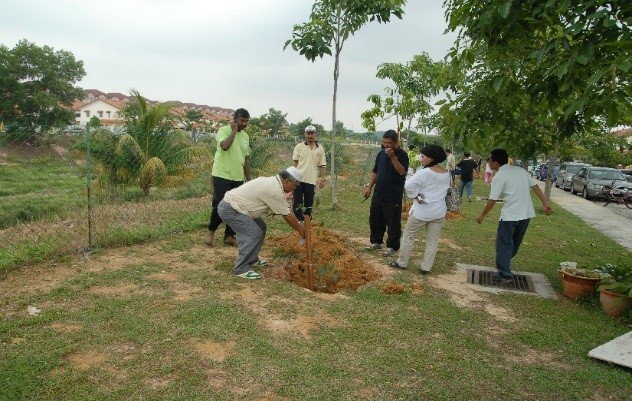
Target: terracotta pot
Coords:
[(575, 287), (614, 304)]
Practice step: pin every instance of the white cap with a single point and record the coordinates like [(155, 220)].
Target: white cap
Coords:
[(310, 128), (294, 172)]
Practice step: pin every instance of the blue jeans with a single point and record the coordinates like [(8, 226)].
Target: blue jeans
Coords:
[(508, 238), (468, 186)]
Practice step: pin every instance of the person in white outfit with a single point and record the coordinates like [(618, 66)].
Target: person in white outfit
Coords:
[(428, 188)]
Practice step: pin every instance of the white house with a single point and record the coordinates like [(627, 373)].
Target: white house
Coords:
[(107, 111)]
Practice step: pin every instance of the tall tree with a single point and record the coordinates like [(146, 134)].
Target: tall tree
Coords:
[(330, 24), (567, 61), (416, 82), (37, 89)]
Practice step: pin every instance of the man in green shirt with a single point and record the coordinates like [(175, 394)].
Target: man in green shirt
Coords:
[(230, 167)]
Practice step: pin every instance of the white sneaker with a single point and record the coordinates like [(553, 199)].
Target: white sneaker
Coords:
[(250, 275)]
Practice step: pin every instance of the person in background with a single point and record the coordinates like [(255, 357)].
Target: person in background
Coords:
[(450, 164), (243, 207), (428, 188), (488, 173), (388, 176), (511, 183), (467, 166), (309, 158), (231, 166)]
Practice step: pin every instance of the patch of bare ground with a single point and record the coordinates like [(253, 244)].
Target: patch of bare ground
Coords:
[(469, 296), (66, 327), (299, 326), (212, 350), (533, 357)]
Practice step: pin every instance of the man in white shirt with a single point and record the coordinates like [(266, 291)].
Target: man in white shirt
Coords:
[(243, 207), (511, 183)]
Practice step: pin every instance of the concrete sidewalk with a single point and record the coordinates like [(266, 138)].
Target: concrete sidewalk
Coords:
[(615, 221)]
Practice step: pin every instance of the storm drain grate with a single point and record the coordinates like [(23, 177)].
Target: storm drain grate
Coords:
[(486, 278)]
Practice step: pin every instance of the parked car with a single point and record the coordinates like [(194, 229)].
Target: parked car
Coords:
[(565, 174), (627, 173), (543, 171), (591, 180)]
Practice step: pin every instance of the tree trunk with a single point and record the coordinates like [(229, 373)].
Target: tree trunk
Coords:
[(334, 192), (550, 165)]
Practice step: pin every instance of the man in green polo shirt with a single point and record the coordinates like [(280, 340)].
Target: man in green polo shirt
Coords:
[(230, 167)]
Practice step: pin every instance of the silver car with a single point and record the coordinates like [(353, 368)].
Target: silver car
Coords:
[(565, 174), (590, 181)]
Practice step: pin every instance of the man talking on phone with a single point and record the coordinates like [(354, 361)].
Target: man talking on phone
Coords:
[(231, 166)]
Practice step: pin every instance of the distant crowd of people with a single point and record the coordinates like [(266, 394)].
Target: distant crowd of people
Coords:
[(240, 202)]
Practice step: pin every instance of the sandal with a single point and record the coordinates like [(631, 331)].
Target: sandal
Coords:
[(396, 266)]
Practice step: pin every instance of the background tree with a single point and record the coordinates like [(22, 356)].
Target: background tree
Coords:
[(567, 62), (191, 117), (37, 89), (298, 129), (416, 82), (151, 152), (330, 24), (274, 123)]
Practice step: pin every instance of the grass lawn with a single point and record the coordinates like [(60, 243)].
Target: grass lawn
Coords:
[(165, 320)]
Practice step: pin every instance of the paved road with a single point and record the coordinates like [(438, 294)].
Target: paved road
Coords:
[(615, 221)]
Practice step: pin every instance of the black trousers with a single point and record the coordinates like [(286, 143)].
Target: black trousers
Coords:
[(386, 217), (303, 200), (220, 187)]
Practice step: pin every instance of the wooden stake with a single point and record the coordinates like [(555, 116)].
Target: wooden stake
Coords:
[(308, 245)]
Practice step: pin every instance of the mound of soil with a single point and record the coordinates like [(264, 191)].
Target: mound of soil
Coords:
[(336, 266)]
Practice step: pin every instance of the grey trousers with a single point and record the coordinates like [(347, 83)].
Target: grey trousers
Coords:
[(250, 234), (412, 229)]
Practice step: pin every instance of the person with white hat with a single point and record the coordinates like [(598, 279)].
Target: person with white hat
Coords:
[(309, 157), (243, 207)]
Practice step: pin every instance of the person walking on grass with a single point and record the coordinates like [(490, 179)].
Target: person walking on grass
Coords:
[(467, 166), (243, 207), (428, 188), (511, 183), (231, 166), (488, 173), (309, 158), (388, 176), (450, 164)]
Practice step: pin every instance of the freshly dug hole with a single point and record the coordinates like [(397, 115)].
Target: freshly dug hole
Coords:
[(336, 266)]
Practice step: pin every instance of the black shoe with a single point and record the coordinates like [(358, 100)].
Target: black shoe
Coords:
[(502, 279), (395, 265), (424, 272)]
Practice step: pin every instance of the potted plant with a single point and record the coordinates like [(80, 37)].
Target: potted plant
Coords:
[(577, 282), (615, 291)]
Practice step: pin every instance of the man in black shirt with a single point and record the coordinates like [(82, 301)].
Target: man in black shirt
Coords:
[(388, 176), (467, 166)]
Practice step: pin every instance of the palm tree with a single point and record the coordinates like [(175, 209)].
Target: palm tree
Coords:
[(151, 152)]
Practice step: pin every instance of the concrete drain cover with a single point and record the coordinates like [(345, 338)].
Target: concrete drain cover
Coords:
[(486, 278)]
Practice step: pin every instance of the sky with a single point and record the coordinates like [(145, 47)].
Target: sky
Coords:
[(226, 54)]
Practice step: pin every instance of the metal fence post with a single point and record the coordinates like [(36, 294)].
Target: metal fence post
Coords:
[(89, 182)]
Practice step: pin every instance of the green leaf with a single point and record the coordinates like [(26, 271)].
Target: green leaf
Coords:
[(504, 9), (596, 77), (498, 81)]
